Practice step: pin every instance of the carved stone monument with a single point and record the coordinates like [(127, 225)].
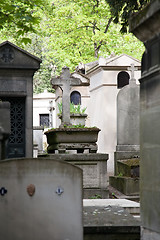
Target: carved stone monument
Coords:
[(128, 120), (40, 199), (65, 81), (82, 141), (146, 28), (17, 68), (126, 178)]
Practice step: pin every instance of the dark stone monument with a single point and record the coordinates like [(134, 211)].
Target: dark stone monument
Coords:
[(17, 68), (4, 127), (146, 27)]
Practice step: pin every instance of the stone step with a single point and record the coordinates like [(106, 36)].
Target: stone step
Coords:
[(109, 219)]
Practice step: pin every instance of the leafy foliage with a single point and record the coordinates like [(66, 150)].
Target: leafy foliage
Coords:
[(20, 17), (73, 108), (64, 33), (121, 10)]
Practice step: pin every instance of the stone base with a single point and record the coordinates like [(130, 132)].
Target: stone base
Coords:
[(91, 193), (109, 222), (147, 234), (126, 185), (122, 155), (94, 166)]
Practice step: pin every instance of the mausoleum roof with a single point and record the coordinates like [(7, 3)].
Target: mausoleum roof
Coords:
[(121, 62)]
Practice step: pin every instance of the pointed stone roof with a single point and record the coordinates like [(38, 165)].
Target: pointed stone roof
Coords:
[(121, 62), (12, 56)]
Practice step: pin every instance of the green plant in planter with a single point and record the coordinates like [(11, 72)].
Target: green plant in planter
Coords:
[(73, 109)]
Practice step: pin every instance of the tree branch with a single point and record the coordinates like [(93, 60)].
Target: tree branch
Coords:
[(108, 24)]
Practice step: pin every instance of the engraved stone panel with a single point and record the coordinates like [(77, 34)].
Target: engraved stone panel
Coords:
[(11, 85)]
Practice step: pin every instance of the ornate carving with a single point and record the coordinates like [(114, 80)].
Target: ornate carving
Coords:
[(7, 55), (31, 190)]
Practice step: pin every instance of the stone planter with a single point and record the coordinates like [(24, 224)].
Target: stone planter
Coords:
[(72, 138), (77, 119)]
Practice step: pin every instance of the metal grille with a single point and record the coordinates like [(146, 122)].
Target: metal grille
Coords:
[(44, 120)]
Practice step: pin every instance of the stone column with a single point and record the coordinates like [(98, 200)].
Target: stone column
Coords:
[(146, 27)]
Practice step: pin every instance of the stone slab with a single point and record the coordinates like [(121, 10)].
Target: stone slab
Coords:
[(109, 222), (131, 206), (126, 185), (94, 193), (147, 234), (54, 211)]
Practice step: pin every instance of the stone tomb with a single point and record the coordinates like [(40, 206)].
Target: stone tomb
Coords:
[(17, 68), (146, 27), (128, 120), (40, 199), (126, 178)]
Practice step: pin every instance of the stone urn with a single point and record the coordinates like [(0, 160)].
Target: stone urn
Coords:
[(70, 138)]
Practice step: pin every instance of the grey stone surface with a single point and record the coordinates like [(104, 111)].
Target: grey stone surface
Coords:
[(65, 81), (145, 24), (130, 206), (109, 222), (17, 68), (38, 137), (149, 235), (5, 127), (128, 111), (126, 185), (54, 211), (147, 29), (128, 116), (94, 166)]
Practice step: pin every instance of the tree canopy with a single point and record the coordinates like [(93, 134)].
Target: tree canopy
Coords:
[(121, 10), (20, 16), (64, 33)]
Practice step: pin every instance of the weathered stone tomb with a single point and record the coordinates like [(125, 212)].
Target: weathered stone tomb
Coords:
[(17, 68)]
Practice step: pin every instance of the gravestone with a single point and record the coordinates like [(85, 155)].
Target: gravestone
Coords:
[(5, 126), (127, 139), (17, 68), (40, 199), (146, 28), (38, 137), (65, 81), (128, 120)]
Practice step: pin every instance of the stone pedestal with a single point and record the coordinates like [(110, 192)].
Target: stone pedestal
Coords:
[(146, 27), (94, 166)]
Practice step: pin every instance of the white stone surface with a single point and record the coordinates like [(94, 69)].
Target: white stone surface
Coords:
[(131, 206), (112, 202)]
